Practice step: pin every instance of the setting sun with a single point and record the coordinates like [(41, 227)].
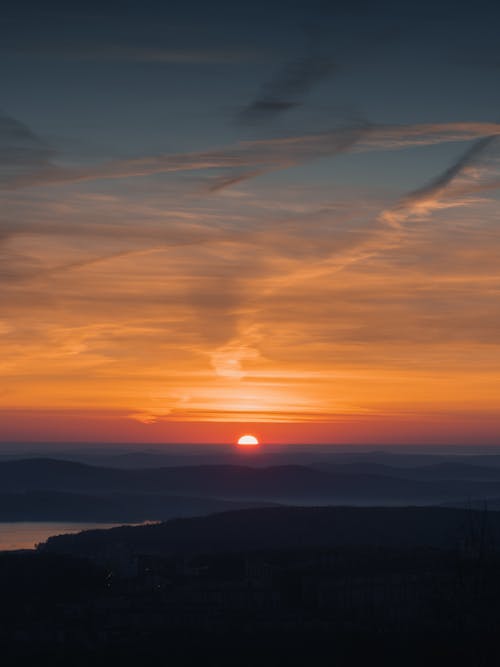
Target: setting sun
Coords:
[(248, 440)]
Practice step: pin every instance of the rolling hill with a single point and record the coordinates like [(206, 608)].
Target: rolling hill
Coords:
[(291, 484)]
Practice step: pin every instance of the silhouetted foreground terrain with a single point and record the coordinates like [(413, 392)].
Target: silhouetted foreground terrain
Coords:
[(284, 527), (46, 489), (319, 586)]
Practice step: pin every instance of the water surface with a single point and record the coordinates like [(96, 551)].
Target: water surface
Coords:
[(27, 534)]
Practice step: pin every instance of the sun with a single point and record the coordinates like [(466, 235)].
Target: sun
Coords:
[(248, 440)]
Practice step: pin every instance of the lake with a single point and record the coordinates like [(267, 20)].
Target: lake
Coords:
[(25, 535)]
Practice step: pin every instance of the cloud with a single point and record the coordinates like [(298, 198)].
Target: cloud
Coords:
[(21, 150), (291, 153), (397, 137), (287, 89), (228, 360), (359, 138), (256, 155), (439, 192), (238, 176)]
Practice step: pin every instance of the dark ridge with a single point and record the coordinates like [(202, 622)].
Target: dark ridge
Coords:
[(284, 528)]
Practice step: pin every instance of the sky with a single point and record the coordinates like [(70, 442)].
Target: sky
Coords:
[(279, 217)]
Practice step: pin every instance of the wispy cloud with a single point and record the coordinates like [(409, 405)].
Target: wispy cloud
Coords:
[(288, 88), (250, 158), (21, 150), (439, 192)]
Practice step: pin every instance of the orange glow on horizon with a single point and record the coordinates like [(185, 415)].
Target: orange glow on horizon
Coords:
[(80, 426)]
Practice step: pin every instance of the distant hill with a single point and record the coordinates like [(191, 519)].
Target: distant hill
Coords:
[(283, 528), (290, 484), (268, 456), (443, 470), (64, 506)]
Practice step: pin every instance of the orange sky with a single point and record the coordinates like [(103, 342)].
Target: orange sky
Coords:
[(308, 313)]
